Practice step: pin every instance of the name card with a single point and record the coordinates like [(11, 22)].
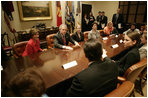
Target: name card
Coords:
[(70, 64), (115, 46), (104, 38)]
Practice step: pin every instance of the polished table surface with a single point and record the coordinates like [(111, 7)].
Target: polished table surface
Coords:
[(50, 63)]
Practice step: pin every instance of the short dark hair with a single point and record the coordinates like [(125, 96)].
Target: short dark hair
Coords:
[(94, 23), (27, 84), (134, 36), (93, 50), (99, 12), (32, 32), (102, 11), (134, 24)]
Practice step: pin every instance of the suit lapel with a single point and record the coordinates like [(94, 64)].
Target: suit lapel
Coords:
[(61, 38)]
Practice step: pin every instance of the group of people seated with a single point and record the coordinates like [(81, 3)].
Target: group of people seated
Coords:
[(99, 78)]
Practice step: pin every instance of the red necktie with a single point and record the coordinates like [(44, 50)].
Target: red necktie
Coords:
[(64, 40)]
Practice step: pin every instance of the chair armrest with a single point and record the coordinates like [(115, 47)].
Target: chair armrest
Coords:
[(121, 79), (124, 90)]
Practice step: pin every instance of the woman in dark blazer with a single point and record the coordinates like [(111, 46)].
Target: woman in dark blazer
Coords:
[(91, 21), (78, 35), (131, 40)]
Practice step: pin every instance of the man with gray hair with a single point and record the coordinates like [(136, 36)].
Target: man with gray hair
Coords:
[(62, 38)]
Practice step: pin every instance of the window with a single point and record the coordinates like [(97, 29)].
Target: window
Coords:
[(134, 11)]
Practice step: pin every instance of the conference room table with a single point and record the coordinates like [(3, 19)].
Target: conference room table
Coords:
[(50, 62)]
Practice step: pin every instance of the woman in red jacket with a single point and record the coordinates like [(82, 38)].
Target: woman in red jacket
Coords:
[(33, 44)]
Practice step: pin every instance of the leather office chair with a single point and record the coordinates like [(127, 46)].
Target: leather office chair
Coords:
[(101, 32), (49, 39), (134, 71), (19, 48), (141, 81), (86, 36), (124, 90)]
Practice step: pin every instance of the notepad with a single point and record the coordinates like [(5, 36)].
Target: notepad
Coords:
[(70, 64), (115, 46), (116, 36), (105, 38)]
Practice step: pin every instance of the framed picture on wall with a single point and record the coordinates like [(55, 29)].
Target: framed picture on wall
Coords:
[(35, 10)]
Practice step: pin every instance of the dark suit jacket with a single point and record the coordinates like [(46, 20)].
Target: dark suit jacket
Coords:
[(58, 40), (104, 20), (119, 20), (76, 37), (130, 58), (97, 80)]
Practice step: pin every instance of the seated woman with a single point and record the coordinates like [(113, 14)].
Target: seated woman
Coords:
[(143, 49), (131, 41), (133, 28), (94, 34), (109, 29), (33, 44), (78, 35)]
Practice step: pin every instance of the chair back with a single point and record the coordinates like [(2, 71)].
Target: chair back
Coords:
[(124, 90), (49, 39), (86, 35), (19, 48), (134, 71)]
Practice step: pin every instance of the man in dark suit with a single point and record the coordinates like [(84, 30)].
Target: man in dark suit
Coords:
[(99, 19), (118, 21), (99, 78), (62, 38), (104, 19)]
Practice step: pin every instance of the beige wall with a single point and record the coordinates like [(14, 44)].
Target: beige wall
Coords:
[(109, 7)]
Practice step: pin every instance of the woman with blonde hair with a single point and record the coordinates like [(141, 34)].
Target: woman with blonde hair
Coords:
[(109, 29)]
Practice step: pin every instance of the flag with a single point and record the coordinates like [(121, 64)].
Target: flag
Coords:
[(69, 16), (59, 16)]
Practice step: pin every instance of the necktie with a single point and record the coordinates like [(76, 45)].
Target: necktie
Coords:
[(64, 41)]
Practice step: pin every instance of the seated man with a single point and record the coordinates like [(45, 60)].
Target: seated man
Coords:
[(62, 38), (99, 78)]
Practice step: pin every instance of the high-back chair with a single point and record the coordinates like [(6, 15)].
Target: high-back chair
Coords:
[(134, 71), (124, 90), (49, 39), (19, 48), (141, 81), (86, 36)]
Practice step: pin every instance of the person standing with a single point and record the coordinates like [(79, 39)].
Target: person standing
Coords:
[(104, 20), (91, 20), (118, 21), (99, 20), (85, 22)]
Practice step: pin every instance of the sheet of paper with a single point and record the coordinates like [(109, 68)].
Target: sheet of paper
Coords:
[(121, 41), (70, 64), (115, 46), (105, 38)]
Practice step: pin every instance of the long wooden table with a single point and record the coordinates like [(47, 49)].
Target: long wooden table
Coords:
[(50, 63)]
